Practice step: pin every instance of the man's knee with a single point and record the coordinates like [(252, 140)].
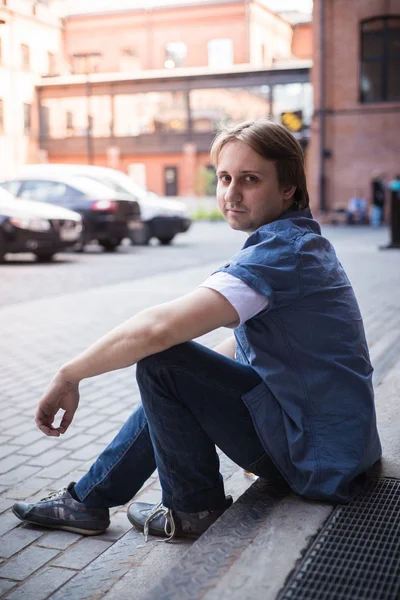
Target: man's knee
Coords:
[(151, 364)]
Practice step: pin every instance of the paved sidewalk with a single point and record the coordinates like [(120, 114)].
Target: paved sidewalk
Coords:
[(38, 336)]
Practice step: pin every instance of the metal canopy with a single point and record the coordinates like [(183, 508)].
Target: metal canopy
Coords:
[(75, 86)]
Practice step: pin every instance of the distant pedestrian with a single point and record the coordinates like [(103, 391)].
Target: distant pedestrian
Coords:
[(377, 199), (394, 184), (288, 397), (357, 209)]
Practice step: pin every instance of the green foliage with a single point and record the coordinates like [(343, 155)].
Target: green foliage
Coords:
[(206, 182), (215, 215), (207, 215)]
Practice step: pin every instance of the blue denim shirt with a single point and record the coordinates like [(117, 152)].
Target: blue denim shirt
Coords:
[(314, 411)]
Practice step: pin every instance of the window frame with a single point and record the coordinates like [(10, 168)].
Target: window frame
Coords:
[(27, 107), (51, 63), (229, 46), (382, 60), (174, 55), (25, 57)]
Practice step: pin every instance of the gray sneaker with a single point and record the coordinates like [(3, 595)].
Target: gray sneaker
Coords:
[(157, 519), (61, 511)]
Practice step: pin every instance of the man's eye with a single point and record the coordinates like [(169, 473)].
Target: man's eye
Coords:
[(251, 178), (225, 178)]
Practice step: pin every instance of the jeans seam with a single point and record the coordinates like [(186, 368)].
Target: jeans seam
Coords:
[(118, 459)]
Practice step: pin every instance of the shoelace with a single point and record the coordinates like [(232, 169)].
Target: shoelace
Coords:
[(169, 526), (54, 494)]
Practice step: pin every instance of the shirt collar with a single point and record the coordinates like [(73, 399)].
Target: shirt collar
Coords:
[(295, 214)]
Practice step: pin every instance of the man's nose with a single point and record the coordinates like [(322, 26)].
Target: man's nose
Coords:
[(233, 193)]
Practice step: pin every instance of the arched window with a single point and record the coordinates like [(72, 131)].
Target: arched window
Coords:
[(380, 60)]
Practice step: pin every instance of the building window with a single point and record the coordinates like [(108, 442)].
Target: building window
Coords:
[(26, 58), (1, 115), (51, 64), (27, 118), (70, 122), (44, 123), (129, 60), (175, 54), (85, 63), (129, 52), (380, 60), (220, 53), (263, 54)]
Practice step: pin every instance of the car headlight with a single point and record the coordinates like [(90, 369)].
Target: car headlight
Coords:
[(31, 224)]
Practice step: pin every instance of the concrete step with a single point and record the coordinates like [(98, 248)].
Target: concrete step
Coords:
[(249, 552)]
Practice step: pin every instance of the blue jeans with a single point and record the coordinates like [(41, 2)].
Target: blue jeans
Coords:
[(376, 215), (191, 402)]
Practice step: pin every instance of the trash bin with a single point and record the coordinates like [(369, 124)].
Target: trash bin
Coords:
[(394, 187)]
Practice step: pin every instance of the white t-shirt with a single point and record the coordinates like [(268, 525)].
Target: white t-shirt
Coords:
[(243, 298)]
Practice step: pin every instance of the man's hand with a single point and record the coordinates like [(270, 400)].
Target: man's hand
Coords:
[(61, 395)]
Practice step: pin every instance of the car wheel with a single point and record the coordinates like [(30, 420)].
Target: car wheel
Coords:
[(83, 240), (44, 257), (165, 241), (2, 248), (143, 237), (110, 245)]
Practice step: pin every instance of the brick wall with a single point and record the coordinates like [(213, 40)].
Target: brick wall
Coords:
[(362, 138), (147, 33)]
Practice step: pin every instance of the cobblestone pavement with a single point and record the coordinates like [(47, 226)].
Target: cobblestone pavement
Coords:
[(59, 320)]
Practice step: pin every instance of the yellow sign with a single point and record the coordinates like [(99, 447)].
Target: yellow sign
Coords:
[(292, 121)]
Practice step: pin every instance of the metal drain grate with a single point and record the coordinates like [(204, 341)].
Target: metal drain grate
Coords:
[(356, 556)]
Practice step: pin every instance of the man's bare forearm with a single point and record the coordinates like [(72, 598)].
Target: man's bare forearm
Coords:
[(151, 331), (136, 338)]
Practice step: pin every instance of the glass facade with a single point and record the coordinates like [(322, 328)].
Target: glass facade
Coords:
[(200, 110)]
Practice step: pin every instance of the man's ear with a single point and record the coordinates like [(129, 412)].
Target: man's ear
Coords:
[(288, 192)]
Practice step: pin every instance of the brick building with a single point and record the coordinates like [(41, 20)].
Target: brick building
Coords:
[(157, 82), (30, 47), (356, 124)]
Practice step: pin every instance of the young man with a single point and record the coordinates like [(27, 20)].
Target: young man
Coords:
[(289, 396)]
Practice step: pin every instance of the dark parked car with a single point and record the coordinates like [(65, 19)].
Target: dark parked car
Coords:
[(107, 216), (43, 229), (163, 218)]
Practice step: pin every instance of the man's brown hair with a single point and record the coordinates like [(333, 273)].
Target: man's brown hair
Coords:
[(273, 142)]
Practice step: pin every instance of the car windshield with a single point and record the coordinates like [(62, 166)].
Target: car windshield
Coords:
[(111, 184), (6, 196), (124, 185), (90, 187)]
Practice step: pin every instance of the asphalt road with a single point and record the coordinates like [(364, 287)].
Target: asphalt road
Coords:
[(24, 280)]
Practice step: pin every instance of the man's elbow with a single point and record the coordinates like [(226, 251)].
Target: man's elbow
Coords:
[(155, 333)]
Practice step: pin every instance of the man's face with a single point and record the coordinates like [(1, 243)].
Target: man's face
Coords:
[(248, 191)]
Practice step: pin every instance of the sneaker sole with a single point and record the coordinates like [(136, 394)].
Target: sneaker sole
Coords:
[(63, 527)]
